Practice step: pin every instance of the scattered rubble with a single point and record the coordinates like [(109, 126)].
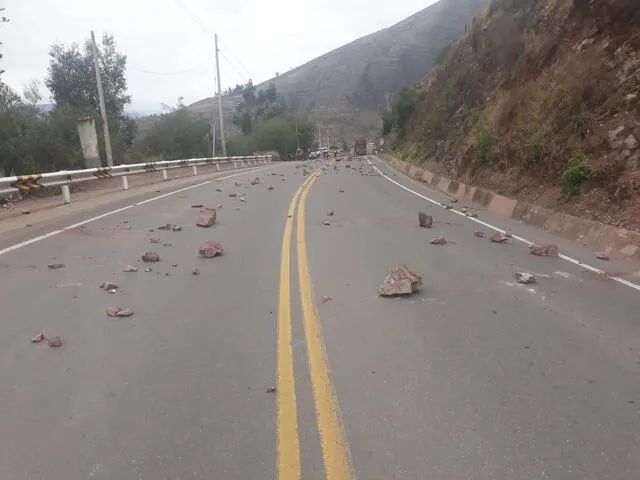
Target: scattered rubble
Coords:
[(602, 255), (478, 233), (195, 271), (330, 213), (118, 312), (524, 277), (38, 338), (424, 220), (56, 266), (150, 257), (544, 250), (154, 240), (206, 218), (498, 237), (448, 207), (56, 342), (401, 280), (130, 268), (171, 226), (472, 214), (109, 287), (438, 240), (210, 249)]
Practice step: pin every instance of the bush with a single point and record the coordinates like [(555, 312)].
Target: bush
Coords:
[(532, 144), (484, 145), (574, 176)]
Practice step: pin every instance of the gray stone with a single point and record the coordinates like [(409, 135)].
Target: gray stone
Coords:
[(206, 218), (424, 220), (401, 280), (630, 142), (524, 277), (210, 249)]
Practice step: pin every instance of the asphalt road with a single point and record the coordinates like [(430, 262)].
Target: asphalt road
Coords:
[(474, 377)]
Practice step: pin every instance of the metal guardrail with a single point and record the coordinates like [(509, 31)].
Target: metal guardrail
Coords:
[(64, 178)]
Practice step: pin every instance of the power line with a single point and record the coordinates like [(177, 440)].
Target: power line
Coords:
[(235, 58), (194, 17), (179, 72), (232, 65)]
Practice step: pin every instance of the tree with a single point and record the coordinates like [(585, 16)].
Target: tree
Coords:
[(71, 77), (177, 135), (31, 92)]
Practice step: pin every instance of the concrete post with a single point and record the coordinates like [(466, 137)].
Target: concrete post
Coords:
[(66, 194), (164, 174), (125, 182), (235, 164), (195, 170), (217, 166)]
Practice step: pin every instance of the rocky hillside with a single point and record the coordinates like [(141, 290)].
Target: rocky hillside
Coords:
[(539, 100), (348, 88)]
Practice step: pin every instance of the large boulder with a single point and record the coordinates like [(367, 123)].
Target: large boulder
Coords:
[(210, 249), (207, 217), (401, 280)]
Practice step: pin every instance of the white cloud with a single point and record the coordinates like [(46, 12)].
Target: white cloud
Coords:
[(162, 36)]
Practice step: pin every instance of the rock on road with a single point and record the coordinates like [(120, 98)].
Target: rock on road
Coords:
[(473, 377)]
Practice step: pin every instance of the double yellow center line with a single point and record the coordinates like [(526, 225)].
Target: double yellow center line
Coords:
[(335, 449)]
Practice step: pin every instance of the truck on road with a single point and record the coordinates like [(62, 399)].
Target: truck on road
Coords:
[(360, 147)]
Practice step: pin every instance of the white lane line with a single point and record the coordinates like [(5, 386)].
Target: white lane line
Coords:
[(567, 258), (53, 233)]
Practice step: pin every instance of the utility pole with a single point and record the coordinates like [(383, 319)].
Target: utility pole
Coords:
[(103, 110), (213, 142), (224, 144)]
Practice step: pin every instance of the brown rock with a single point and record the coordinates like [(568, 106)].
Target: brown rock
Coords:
[(326, 299), (56, 266), (478, 233), (498, 237), (401, 280), (38, 338), (130, 268), (424, 220), (109, 286), (195, 271), (154, 240), (544, 250), (438, 240), (210, 249), (602, 255), (330, 213), (56, 342), (508, 233), (118, 312), (206, 218), (150, 257)]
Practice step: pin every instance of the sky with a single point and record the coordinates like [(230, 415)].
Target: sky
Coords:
[(169, 43)]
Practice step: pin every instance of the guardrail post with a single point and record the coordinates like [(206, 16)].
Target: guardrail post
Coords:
[(66, 194), (195, 170), (217, 166), (125, 182), (164, 174), (235, 164)]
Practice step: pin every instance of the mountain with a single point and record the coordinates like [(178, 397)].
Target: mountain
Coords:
[(348, 88), (539, 100)]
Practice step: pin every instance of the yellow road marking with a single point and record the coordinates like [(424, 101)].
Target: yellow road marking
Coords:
[(288, 442), (335, 448)]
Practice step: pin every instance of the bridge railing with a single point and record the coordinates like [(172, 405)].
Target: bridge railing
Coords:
[(65, 178)]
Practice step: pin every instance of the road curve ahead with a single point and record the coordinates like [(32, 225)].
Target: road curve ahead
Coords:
[(280, 361)]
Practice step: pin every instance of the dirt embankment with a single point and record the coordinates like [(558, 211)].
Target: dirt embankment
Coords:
[(540, 101)]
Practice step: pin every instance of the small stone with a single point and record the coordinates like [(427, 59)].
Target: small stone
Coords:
[(271, 389), (269, 188), (524, 277), (26, 212), (206, 218), (448, 207), (401, 280), (341, 191), (176, 228), (284, 179), (326, 223), (218, 189), (195, 271), (237, 184), (630, 142), (454, 200), (243, 199), (544, 250), (326, 299), (210, 249), (154, 240), (602, 255), (109, 286), (148, 270), (330, 213), (196, 206), (438, 240), (150, 257), (255, 181), (118, 312), (56, 266), (498, 237), (508, 233), (233, 195), (424, 220), (130, 268), (478, 233), (56, 342), (38, 338)]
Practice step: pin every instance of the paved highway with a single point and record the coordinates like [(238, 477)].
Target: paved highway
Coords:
[(279, 360)]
